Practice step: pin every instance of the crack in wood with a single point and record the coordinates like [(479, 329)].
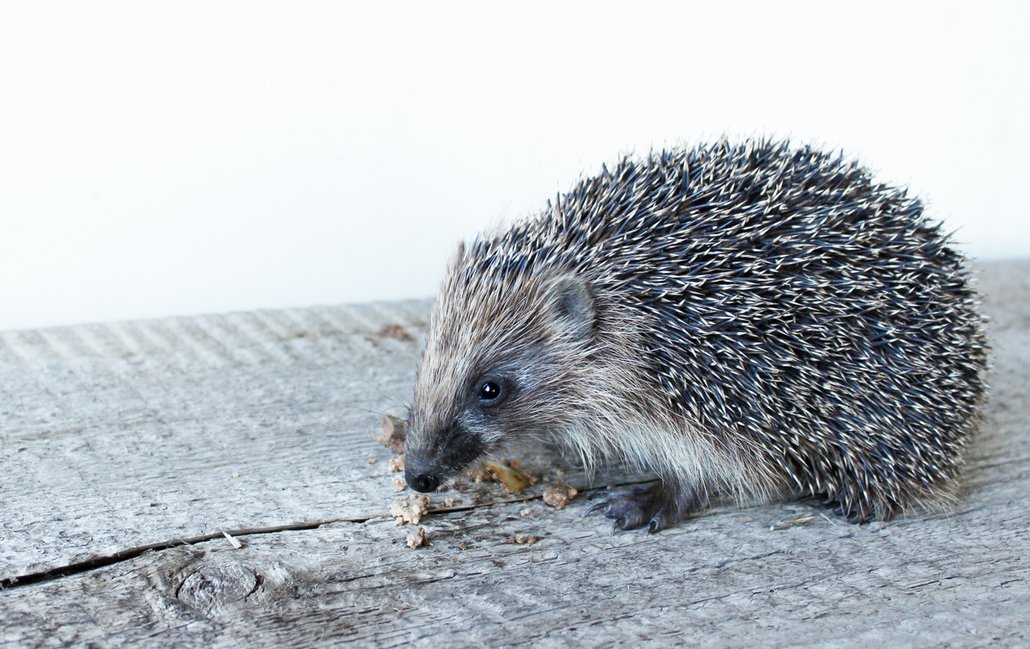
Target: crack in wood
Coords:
[(104, 561), (131, 553)]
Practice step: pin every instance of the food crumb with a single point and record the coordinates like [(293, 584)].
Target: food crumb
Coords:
[(396, 332), (508, 474), (463, 545), (399, 485), (448, 502), (396, 464), (409, 510), (523, 539), (526, 512), (481, 474), (392, 433), (559, 494), (417, 538), (373, 461)]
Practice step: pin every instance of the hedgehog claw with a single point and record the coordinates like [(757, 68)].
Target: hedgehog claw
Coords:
[(597, 507), (653, 507)]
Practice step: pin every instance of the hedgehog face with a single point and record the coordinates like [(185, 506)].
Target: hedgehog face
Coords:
[(495, 370)]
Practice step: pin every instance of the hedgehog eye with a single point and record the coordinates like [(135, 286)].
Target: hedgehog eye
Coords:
[(489, 391)]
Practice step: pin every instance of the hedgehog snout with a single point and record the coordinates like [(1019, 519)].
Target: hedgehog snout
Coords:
[(422, 482), (440, 456)]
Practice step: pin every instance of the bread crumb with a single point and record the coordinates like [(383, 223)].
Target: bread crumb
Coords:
[(393, 432), (373, 461), (399, 485), (449, 502), (409, 510), (417, 538), (526, 512), (559, 494), (481, 474), (396, 332), (522, 539), (396, 464)]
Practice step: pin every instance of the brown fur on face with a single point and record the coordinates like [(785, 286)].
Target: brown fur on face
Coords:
[(573, 371), (530, 334)]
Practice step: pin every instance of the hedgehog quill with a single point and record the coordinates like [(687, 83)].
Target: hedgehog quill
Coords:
[(753, 319)]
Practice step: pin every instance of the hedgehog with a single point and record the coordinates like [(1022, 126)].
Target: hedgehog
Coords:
[(753, 320)]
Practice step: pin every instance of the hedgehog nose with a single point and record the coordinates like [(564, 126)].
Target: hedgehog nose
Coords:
[(423, 482)]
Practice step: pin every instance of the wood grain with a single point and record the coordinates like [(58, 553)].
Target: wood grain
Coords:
[(128, 448)]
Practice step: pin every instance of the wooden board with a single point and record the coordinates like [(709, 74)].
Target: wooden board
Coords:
[(119, 438)]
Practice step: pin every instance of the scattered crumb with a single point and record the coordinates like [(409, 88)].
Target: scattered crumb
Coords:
[(235, 474), (559, 494), (511, 478), (232, 540), (417, 538), (463, 545), (373, 461), (392, 433), (409, 510), (795, 521), (522, 539), (526, 512), (397, 463), (449, 502), (396, 332), (399, 485), (558, 473), (480, 474)]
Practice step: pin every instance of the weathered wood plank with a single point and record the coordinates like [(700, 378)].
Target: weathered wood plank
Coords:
[(100, 422), (114, 437), (122, 435), (724, 579)]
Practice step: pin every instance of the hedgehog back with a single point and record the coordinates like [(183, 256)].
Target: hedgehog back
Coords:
[(788, 304)]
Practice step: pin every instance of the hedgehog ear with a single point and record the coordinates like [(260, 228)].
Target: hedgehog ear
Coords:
[(570, 306)]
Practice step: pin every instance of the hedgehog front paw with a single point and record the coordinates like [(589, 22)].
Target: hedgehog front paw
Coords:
[(656, 506)]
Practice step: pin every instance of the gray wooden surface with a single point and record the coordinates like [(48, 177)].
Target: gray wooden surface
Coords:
[(127, 449)]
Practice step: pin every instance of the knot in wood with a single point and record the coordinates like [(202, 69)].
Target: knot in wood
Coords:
[(217, 584)]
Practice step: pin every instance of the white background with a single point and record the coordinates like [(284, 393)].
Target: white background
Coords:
[(178, 157)]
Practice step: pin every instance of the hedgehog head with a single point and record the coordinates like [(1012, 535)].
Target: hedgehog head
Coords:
[(506, 339)]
